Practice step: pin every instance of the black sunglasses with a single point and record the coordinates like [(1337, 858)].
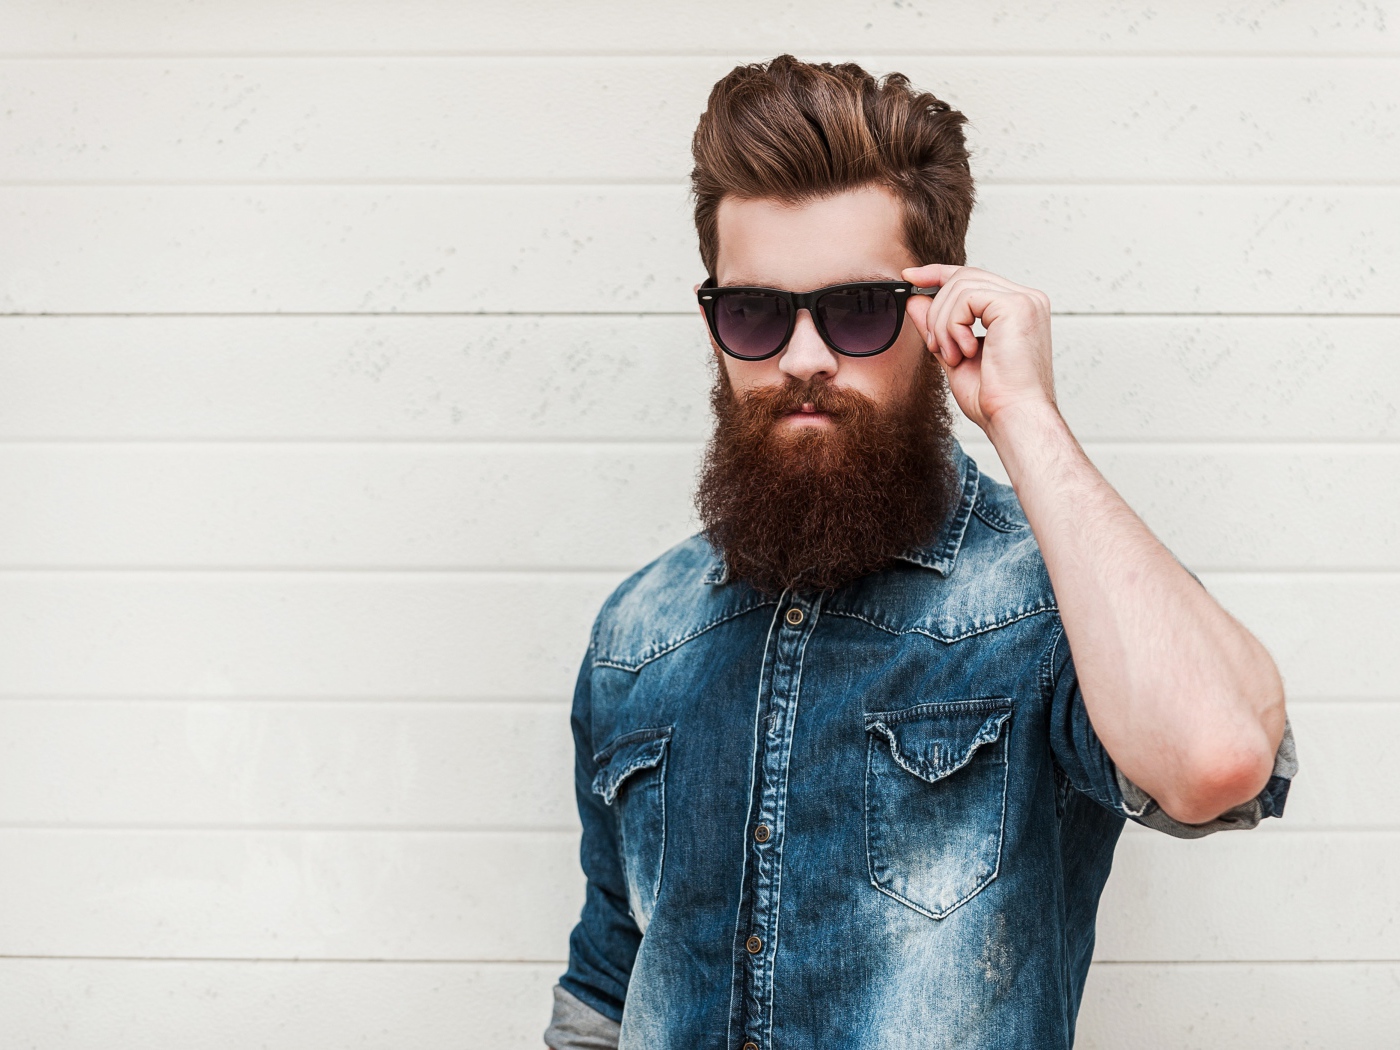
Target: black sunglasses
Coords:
[(859, 319)]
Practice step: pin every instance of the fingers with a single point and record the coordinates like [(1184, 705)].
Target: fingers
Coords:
[(919, 307), (930, 275), (948, 344), (940, 274), (950, 325), (966, 294)]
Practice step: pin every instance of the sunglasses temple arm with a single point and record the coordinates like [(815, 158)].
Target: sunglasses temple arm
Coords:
[(930, 292)]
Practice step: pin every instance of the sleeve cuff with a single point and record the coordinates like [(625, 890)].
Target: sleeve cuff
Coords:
[(577, 1026), (1143, 808)]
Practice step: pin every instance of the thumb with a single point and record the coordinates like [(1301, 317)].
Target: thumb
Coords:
[(918, 307)]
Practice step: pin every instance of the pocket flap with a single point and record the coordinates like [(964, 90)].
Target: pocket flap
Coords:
[(642, 749), (933, 740)]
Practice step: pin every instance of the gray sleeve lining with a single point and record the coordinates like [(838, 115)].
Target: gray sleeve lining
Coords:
[(1141, 807), (577, 1026)]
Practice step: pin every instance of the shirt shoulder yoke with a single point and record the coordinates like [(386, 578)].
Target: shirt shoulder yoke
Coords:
[(667, 603)]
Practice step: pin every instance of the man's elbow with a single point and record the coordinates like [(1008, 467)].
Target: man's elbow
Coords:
[(1219, 779), (1232, 766)]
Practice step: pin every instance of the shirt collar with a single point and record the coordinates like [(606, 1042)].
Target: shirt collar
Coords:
[(941, 552)]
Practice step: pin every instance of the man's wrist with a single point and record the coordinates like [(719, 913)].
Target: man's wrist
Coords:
[(1025, 424)]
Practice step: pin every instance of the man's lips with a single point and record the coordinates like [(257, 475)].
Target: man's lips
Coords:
[(806, 414)]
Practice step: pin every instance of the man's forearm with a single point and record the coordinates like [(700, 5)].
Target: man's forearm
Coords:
[(1187, 702)]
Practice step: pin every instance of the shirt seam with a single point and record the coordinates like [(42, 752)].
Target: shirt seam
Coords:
[(674, 644), (1049, 606)]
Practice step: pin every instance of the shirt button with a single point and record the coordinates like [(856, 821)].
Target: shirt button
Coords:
[(750, 1046), (762, 833), (754, 945), (794, 616)]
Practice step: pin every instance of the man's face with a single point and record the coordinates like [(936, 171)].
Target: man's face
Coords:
[(853, 236), (822, 467)]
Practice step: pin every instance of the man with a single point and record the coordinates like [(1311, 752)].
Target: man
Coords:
[(851, 764)]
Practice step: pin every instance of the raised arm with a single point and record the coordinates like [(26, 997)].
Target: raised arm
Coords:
[(1187, 702)]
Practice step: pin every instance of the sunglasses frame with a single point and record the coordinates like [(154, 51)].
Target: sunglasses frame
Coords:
[(902, 290)]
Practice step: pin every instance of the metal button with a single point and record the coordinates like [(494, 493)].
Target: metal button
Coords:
[(754, 945), (794, 616), (762, 833)]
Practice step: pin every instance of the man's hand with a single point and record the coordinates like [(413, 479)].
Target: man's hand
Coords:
[(1010, 366)]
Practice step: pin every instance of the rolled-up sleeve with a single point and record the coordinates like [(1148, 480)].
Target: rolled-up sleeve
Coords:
[(589, 999), (1143, 808), (1081, 754), (577, 1026)]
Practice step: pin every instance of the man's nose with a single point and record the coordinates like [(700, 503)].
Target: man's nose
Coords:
[(806, 354)]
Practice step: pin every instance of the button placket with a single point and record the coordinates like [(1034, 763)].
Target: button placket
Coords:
[(793, 626)]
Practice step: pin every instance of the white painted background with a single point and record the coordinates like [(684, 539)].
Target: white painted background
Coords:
[(347, 360)]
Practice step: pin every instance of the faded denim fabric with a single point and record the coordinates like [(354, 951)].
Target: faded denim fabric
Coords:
[(874, 817)]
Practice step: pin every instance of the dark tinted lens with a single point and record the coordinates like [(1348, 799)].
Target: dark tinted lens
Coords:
[(750, 324), (859, 320)]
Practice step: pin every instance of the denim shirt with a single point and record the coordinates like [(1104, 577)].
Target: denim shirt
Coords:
[(875, 816)]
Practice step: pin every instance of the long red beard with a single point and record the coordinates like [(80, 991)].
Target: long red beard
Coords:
[(816, 507)]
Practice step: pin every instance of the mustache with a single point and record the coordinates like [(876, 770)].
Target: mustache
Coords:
[(769, 404)]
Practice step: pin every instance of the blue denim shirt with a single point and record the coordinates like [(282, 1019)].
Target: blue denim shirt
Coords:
[(870, 817)]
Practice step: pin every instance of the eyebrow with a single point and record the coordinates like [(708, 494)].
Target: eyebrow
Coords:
[(753, 282)]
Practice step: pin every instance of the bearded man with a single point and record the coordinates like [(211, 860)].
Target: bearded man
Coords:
[(851, 763)]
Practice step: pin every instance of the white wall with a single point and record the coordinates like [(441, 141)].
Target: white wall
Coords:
[(347, 360)]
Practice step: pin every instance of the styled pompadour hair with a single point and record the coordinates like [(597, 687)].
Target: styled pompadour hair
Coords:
[(798, 131)]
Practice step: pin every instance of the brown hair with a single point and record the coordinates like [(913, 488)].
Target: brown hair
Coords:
[(797, 131)]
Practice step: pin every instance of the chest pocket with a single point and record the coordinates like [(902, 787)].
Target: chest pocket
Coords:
[(631, 779), (935, 801)]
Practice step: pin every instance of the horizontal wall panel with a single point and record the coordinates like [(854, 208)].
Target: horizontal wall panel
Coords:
[(441, 378), (92, 1004), (631, 249), (212, 762), (599, 506), (438, 506), (302, 895), (376, 895), (1344, 765), (1098, 119), (632, 26), (499, 635), (435, 765), (1280, 1006), (1326, 633), (305, 635), (1219, 508), (562, 378), (1246, 895)]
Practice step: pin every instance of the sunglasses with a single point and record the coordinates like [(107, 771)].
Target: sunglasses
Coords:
[(860, 319)]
